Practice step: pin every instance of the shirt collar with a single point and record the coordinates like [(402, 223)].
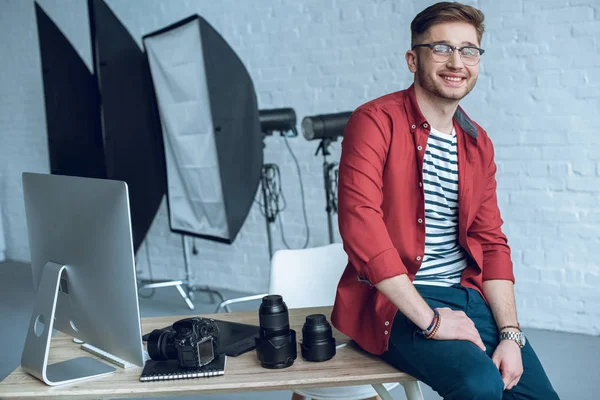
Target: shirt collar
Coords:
[(416, 118)]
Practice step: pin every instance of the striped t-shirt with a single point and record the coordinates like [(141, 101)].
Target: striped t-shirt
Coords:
[(444, 258)]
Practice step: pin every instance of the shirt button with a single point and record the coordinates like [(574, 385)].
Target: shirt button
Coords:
[(387, 323), (420, 220), (386, 332), (413, 126), (418, 258), (425, 125), (420, 148), (420, 184)]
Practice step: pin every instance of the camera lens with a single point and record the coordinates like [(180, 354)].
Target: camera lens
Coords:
[(276, 342), (318, 343), (273, 316), (160, 345)]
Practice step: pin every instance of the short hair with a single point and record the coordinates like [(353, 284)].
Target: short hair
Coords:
[(446, 11)]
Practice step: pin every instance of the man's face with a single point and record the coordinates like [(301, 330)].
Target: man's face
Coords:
[(450, 80)]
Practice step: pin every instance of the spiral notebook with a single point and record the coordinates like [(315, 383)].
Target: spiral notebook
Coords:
[(170, 370)]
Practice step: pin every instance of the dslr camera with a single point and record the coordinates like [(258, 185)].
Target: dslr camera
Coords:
[(193, 342)]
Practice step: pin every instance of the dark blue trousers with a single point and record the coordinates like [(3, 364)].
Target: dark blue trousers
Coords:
[(458, 369)]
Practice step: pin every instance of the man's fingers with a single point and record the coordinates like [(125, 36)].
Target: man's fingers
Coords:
[(496, 362), (475, 338), (513, 383), (480, 344), (506, 378), (510, 379)]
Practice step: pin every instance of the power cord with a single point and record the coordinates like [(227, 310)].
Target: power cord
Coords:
[(272, 192), (303, 200)]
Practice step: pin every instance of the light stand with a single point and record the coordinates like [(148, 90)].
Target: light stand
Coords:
[(280, 120), (185, 289), (267, 180), (330, 181), (327, 128)]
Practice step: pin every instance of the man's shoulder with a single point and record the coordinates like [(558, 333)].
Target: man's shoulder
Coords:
[(389, 103), (481, 133)]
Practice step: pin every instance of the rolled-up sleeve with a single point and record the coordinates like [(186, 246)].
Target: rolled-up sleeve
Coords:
[(364, 233), (486, 229)]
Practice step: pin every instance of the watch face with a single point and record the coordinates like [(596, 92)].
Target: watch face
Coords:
[(523, 340)]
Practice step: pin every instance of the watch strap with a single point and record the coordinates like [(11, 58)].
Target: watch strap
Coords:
[(514, 336)]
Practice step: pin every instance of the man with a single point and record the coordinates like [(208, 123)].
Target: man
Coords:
[(429, 284)]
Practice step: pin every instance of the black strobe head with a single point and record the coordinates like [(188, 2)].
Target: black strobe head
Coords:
[(326, 126), (276, 342), (278, 120), (318, 343)]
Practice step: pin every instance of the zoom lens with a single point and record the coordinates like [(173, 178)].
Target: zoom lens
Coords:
[(160, 345), (318, 343), (276, 342)]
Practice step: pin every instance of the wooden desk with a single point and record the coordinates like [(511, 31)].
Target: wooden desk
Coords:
[(350, 366)]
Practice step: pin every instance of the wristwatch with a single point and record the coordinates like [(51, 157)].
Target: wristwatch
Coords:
[(518, 337)]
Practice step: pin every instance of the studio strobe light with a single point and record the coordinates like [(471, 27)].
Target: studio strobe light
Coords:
[(281, 120), (327, 128)]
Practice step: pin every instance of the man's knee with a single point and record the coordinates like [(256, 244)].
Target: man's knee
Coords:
[(481, 384)]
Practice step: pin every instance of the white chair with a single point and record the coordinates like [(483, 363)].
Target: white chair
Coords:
[(309, 278)]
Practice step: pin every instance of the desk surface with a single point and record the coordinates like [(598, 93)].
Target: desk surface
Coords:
[(350, 366)]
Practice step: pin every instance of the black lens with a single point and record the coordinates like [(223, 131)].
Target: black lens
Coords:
[(273, 316), (276, 343), (318, 343), (160, 345)]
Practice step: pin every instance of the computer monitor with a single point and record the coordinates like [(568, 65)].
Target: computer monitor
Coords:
[(83, 268)]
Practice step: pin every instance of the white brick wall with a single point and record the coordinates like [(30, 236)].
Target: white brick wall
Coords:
[(538, 97), (2, 237)]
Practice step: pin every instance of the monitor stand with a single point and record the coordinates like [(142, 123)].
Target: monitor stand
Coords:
[(37, 344)]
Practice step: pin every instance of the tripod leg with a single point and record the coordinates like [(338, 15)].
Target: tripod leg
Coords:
[(185, 297)]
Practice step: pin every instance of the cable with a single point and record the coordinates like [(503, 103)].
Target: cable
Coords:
[(272, 193), (153, 290), (332, 200), (303, 200), (274, 201)]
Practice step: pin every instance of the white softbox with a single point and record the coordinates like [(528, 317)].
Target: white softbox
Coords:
[(210, 128)]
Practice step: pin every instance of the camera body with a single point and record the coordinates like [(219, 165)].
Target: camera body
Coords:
[(193, 342)]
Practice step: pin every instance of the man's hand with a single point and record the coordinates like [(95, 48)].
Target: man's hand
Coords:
[(455, 325), (507, 358)]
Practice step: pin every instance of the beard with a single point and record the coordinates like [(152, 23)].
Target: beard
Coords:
[(436, 88)]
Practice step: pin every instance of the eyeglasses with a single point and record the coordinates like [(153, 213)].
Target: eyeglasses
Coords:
[(470, 55)]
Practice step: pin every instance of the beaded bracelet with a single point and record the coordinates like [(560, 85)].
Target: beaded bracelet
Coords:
[(435, 328), (518, 326), (436, 316)]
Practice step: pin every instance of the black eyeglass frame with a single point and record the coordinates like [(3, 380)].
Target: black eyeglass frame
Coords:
[(432, 45)]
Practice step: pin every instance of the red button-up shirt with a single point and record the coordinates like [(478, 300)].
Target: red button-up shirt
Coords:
[(381, 211)]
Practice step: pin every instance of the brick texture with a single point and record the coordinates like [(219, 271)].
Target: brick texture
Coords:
[(538, 97)]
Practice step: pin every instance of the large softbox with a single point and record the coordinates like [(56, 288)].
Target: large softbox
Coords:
[(210, 127), (75, 141), (103, 125), (130, 123)]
